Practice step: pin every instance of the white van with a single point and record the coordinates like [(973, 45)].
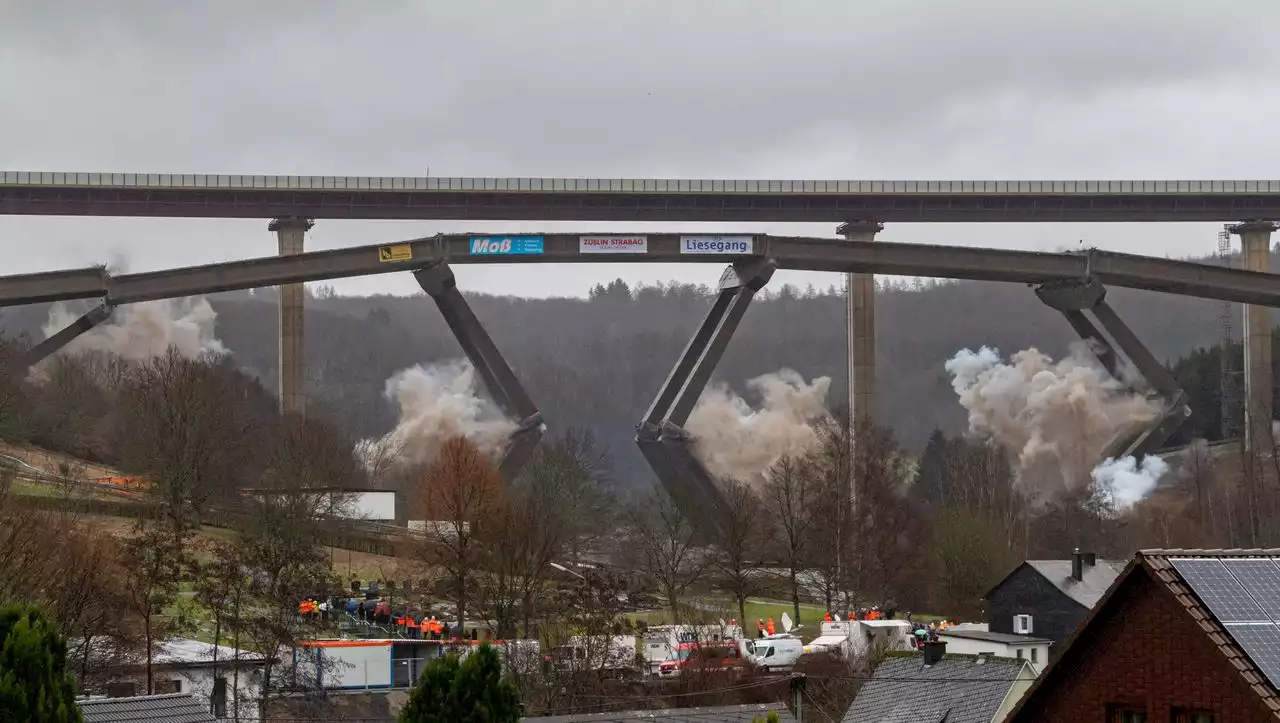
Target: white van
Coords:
[(776, 652)]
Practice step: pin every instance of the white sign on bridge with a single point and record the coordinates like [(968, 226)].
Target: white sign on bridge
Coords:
[(613, 244), (734, 245)]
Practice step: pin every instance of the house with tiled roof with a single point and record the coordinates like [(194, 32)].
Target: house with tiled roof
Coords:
[(940, 687), (1048, 598), (171, 708), (1187, 636), (708, 714)]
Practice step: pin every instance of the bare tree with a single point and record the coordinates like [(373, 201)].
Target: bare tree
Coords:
[(737, 555), (458, 500), (190, 431), (662, 538), (222, 587), (156, 561), (788, 493), (280, 545)]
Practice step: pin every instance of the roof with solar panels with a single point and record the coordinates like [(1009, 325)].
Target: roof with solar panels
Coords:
[(1230, 596)]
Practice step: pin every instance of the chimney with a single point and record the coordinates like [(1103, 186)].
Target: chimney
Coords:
[(933, 652), (1077, 565)]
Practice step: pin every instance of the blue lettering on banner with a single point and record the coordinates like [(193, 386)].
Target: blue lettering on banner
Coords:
[(506, 245), (736, 245)]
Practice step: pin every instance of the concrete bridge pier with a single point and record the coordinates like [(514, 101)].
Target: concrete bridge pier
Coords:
[(291, 233), (860, 317), (1255, 247)]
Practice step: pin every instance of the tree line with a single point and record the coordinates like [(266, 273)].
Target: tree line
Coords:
[(596, 363)]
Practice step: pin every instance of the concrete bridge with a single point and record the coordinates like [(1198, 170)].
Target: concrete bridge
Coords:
[(1071, 283)]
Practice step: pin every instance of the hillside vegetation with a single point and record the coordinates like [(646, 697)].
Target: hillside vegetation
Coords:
[(596, 363)]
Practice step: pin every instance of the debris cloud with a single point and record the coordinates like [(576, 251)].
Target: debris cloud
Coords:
[(436, 403), (733, 439), (1055, 418), (147, 329), (1127, 481)]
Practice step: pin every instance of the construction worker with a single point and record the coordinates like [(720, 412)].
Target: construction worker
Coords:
[(769, 625), (827, 618)]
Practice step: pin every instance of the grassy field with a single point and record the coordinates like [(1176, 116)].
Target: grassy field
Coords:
[(757, 609)]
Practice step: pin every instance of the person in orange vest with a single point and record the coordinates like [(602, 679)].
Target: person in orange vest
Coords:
[(769, 625), (411, 623), (827, 618)]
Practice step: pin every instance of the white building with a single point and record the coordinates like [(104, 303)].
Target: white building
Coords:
[(220, 682), (209, 672), (347, 504), (1003, 645), (857, 637)]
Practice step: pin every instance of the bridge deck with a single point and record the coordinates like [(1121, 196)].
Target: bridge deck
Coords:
[(631, 199), (814, 254)]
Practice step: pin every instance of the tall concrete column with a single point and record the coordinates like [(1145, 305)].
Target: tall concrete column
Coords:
[(860, 299), (291, 232), (1255, 246)]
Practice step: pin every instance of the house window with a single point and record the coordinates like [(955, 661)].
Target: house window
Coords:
[(1034, 655), (219, 698), (164, 687), (1018, 652), (1186, 715), (1122, 713)]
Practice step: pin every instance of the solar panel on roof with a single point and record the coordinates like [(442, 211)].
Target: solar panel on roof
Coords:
[(1261, 579), (1262, 643), (1219, 590)]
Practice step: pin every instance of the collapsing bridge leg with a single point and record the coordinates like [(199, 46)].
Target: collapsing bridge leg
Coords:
[(439, 282), (48, 347), (661, 436), (1072, 298)]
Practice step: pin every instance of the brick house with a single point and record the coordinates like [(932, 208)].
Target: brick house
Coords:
[(1182, 636), (1055, 595)]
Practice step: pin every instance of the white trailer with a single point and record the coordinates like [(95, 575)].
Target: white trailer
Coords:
[(613, 655), (852, 638), (661, 641)]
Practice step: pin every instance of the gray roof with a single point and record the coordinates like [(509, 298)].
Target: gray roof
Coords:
[(1005, 638), (712, 714), (957, 689), (172, 708), (1087, 592)]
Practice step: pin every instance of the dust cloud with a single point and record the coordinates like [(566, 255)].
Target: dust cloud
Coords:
[(436, 403), (1128, 481), (1055, 418), (735, 440), (145, 330)]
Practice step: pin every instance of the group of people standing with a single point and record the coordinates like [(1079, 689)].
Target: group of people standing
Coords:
[(872, 613)]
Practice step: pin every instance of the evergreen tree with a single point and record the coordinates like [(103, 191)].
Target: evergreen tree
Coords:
[(933, 483), (34, 684), (472, 691)]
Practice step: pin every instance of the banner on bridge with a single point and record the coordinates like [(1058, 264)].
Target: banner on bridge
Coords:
[(734, 245), (506, 245), (613, 244)]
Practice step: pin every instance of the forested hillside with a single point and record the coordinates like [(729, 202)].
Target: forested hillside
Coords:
[(597, 362)]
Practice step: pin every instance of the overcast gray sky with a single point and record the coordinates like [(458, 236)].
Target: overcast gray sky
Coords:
[(856, 89)]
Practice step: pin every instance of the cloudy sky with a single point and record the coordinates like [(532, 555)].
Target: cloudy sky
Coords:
[(849, 89)]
